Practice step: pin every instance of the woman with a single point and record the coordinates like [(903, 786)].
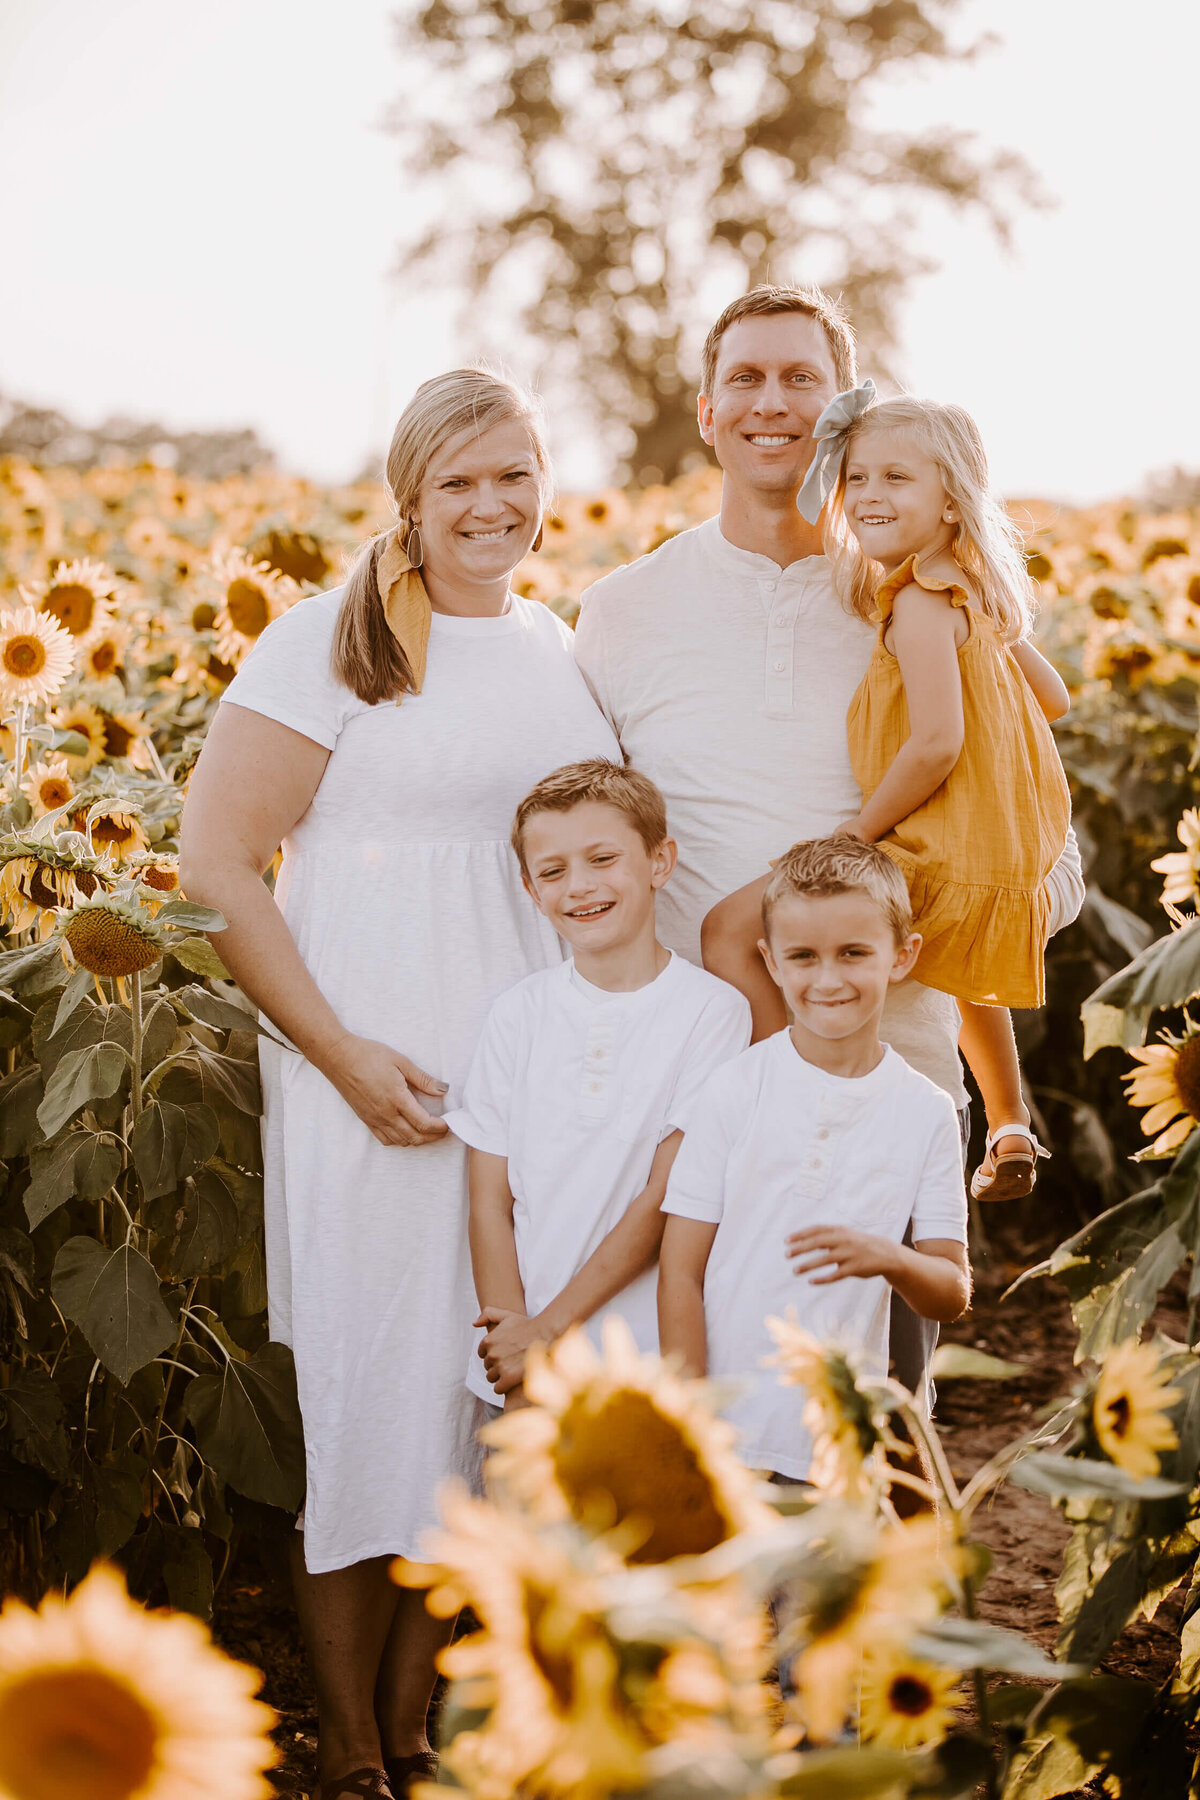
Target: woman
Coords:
[(384, 733)]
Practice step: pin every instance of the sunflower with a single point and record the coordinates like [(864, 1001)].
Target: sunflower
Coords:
[(847, 1440), (157, 877), (1168, 1083), (543, 1665), (123, 735), (904, 1703), (252, 595), (103, 653), (39, 874), (101, 1699), (35, 657), (618, 1442), (863, 1586), (1130, 1406), (88, 722), (111, 935), (1182, 867), (79, 596), (114, 829), (48, 785)]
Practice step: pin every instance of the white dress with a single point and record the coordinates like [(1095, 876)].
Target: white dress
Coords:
[(404, 897)]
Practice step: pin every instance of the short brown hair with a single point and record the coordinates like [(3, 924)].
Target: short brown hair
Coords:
[(821, 867), (767, 299), (609, 784)]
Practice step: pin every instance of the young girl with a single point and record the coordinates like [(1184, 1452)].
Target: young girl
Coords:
[(949, 742)]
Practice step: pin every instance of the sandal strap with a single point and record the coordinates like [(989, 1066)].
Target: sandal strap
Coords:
[(368, 1783), (1016, 1129)]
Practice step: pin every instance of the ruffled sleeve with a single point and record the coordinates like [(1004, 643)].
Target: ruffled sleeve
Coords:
[(899, 579)]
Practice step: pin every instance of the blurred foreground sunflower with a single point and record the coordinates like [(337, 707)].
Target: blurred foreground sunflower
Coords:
[(36, 655), (904, 1703), (619, 1443), (543, 1666), (1182, 867), (1168, 1083), (864, 1586), (112, 935), (100, 1700), (79, 596), (1129, 1409), (252, 595), (847, 1437)]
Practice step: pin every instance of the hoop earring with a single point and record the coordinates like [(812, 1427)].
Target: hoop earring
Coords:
[(414, 549), (537, 542)]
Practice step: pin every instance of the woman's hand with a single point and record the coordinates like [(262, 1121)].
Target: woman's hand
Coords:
[(378, 1082)]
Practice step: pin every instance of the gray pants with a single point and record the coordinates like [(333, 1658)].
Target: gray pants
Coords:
[(913, 1339)]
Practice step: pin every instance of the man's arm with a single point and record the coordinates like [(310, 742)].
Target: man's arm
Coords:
[(629, 1247), (681, 1265), (934, 1275)]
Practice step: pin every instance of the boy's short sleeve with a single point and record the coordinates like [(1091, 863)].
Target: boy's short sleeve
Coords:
[(482, 1121), (696, 1185), (721, 1033), (288, 676), (941, 1205)]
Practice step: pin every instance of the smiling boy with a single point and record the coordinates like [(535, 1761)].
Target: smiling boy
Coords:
[(811, 1155), (584, 1078)]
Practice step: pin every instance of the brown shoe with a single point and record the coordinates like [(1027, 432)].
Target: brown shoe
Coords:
[(370, 1783), (403, 1771)]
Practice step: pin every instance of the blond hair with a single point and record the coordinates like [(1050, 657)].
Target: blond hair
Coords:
[(365, 655), (821, 867), (768, 299), (987, 545), (607, 783)]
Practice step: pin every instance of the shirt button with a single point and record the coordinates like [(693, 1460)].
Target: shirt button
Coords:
[(781, 618), (771, 586), (779, 665), (823, 1133), (596, 1087)]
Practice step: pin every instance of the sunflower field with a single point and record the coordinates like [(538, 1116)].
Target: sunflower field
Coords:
[(628, 1607)]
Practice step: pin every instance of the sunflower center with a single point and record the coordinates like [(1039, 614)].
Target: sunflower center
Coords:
[(203, 615), (165, 881), (625, 1459), (24, 656), (247, 607), (42, 886), (909, 1695), (54, 792), (69, 1732), (1187, 1076), (1120, 1414), (107, 944), (117, 737), (72, 604), (104, 657), (113, 831)]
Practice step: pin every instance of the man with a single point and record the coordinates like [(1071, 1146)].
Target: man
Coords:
[(726, 663)]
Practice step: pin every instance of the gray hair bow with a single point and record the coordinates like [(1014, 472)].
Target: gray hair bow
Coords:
[(831, 434)]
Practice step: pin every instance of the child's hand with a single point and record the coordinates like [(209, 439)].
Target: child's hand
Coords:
[(503, 1349), (840, 1250)]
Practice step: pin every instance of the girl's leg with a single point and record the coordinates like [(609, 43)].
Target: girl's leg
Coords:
[(345, 1619), (729, 948), (987, 1042), (407, 1675)]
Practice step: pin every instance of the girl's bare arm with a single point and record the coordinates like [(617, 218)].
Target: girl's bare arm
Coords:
[(1049, 688), (923, 641), (254, 781)]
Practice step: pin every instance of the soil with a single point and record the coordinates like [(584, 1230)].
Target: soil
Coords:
[(1026, 1535)]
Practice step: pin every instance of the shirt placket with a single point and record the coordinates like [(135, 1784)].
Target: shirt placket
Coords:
[(780, 600), (817, 1159), (595, 1088)]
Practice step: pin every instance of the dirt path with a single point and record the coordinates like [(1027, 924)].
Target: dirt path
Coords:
[(1025, 1534)]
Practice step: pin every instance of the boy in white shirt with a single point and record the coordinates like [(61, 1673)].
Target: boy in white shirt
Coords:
[(809, 1157), (583, 1079)]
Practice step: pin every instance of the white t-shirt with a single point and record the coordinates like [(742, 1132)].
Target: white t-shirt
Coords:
[(777, 1145), (577, 1087), (727, 680)]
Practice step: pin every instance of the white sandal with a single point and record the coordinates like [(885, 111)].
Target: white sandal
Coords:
[(1012, 1175)]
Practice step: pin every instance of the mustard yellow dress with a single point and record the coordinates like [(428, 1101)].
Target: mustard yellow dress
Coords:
[(977, 853)]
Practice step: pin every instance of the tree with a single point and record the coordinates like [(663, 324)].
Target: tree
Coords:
[(613, 171)]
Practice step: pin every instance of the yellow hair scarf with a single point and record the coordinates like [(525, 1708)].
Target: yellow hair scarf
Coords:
[(405, 606)]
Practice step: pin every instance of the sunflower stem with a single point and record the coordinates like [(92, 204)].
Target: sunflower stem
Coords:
[(135, 1014), (20, 736)]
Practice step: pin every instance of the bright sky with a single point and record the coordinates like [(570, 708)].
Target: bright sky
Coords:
[(199, 211)]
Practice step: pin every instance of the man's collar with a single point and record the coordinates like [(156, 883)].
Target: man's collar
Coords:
[(746, 562)]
